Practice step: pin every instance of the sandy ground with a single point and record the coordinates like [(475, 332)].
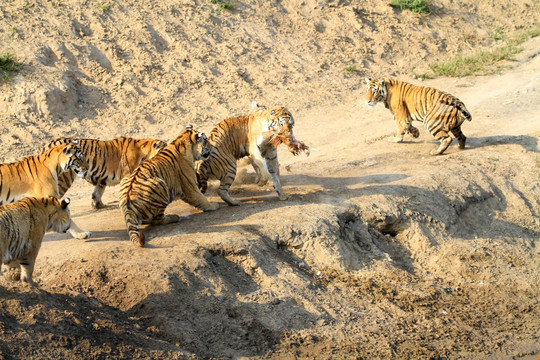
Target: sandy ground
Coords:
[(382, 251)]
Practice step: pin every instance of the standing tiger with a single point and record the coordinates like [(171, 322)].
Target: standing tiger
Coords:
[(38, 175), (22, 226), (169, 175), (108, 161), (440, 112), (256, 135)]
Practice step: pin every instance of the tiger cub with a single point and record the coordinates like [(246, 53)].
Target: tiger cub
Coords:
[(256, 135), (38, 175), (440, 112), (169, 175), (108, 162), (22, 226)]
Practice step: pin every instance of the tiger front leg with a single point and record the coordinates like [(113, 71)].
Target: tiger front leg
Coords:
[(401, 127), (273, 168), (260, 166), (99, 189), (77, 232), (13, 272)]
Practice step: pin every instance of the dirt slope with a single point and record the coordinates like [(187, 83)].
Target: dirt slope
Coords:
[(381, 252)]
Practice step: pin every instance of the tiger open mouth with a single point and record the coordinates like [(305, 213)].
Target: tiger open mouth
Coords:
[(205, 153)]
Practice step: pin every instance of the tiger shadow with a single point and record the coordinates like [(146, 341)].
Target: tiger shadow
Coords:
[(186, 314), (528, 143)]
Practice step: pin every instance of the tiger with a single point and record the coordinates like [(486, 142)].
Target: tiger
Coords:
[(37, 176), (167, 176), (440, 112), (108, 162), (23, 224), (255, 135)]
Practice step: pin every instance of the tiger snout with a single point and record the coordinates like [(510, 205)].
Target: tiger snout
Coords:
[(371, 103)]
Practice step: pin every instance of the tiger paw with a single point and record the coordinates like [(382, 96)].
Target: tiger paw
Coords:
[(81, 235), (414, 132), (283, 197), (395, 139), (234, 202), (13, 274), (263, 180), (97, 205), (213, 206)]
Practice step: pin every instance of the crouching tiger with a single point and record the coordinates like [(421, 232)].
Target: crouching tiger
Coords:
[(22, 227), (169, 175), (440, 112), (108, 162), (256, 135), (38, 175)]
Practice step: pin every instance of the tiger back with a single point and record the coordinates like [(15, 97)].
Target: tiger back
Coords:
[(108, 161), (22, 226), (440, 112), (169, 175), (255, 135)]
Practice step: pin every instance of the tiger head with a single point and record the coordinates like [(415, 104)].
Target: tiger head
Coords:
[(59, 219), (200, 145), (376, 91), (281, 123), (72, 158)]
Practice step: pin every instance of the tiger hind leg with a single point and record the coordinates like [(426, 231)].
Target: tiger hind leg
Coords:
[(165, 219), (99, 189), (462, 139), (27, 266), (445, 142), (225, 183), (132, 223)]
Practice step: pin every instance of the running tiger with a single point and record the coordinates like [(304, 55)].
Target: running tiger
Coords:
[(169, 175), (22, 226), (440, 112), (256, 135), (108, 162), (37, 176)]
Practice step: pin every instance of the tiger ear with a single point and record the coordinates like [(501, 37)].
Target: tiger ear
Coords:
[(70, 149), (382, 82), (367, 80), (65, 203)]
